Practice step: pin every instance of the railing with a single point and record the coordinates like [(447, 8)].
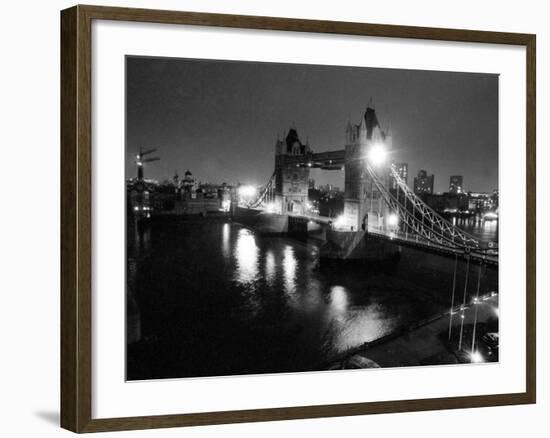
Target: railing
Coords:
[(420, 219), (428, 213), (266, 196)]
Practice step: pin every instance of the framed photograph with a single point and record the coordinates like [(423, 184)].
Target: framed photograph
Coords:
[(269, 218)]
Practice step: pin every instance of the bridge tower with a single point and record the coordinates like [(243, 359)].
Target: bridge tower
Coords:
[(291, 174), (363, 203)]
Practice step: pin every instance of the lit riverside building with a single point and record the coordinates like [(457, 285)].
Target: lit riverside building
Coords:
[(455, 184), (423, 183), (403, 172)]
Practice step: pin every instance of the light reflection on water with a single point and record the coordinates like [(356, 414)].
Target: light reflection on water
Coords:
[(486, 230), (289, 269), (226, 236), (269, 267), (246, 255), (339, 300), (222, 295), (322, 309)]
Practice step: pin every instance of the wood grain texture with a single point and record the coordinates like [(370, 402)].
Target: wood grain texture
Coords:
[(69, 327), (76, 219)]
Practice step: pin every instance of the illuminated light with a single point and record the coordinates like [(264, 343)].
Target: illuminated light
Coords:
[(340, 222), (476, 357), (393, 220), (247, 191), (490, 215), (226, 205), (462, 316), (308, 164), (377, 154), (136, 208), (139, 163)]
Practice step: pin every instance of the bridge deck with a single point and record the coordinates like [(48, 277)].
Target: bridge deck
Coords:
[(409, 239), (417, 242)]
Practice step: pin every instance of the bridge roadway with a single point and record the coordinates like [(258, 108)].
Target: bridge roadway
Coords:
[(412, 240)]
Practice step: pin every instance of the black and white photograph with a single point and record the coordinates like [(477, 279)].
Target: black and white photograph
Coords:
[(288, 218)]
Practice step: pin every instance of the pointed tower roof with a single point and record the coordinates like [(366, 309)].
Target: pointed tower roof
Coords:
[(371, 121)]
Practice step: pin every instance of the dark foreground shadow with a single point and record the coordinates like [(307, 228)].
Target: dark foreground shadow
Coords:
[(51, 417)]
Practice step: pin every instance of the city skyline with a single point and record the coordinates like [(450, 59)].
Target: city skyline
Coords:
[(186, 108), (374, 276)]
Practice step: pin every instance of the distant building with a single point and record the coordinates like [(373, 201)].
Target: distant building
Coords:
[(311, 184), (447, 202), (494, 198), (403, 172), (423, 183), (455, 184), (189, 184), (482, 201)]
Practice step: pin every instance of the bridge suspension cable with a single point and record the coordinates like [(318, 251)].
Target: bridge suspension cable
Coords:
[(266, 195), (420, 218)]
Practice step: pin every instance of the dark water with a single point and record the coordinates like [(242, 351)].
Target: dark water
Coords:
[(214, 298), (487, 230)]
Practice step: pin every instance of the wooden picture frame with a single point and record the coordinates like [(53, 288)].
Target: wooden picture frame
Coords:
[(76, 218)]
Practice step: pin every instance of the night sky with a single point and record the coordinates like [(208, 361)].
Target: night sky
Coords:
[(220, 119)]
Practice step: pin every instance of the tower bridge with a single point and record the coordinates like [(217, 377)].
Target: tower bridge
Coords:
[(380, 211)]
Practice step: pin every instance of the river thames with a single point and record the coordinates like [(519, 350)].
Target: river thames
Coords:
[(214, 298)]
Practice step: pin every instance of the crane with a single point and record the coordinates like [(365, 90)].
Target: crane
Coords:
[(140, 160)]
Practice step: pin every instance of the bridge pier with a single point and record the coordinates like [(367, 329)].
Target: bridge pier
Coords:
[(297, 227), (358, 245)]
